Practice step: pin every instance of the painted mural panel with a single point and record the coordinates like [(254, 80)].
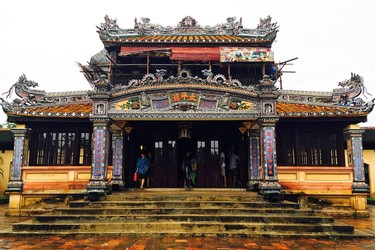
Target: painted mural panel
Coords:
[(246, 54), (184, 100)]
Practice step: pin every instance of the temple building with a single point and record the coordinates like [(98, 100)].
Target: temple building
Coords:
[(167, 90)]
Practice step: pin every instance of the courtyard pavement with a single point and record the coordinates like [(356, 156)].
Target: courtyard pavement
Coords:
[(366, 225)]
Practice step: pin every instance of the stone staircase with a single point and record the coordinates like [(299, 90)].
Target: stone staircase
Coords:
[(178, 212)]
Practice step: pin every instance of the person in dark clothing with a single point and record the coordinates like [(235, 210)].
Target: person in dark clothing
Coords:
[(150, 171), (142, 166), (188, 169)]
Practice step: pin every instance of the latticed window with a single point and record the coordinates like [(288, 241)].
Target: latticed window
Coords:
[(85, 149), (214, 150), (61, 148), (307, 147)]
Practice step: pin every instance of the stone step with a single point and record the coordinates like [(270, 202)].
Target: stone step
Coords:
[(174, 210), (201, 227), (152, 218), (181, 204), (161, 233), (179, 212), (186, 196)]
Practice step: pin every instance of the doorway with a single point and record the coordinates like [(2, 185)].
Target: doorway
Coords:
[(207, 140)]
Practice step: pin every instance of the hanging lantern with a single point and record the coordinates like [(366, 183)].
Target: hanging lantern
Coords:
[(184, 129), (242, 129)]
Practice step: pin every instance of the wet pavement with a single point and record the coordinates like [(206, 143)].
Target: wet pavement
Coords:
[(366, 225)]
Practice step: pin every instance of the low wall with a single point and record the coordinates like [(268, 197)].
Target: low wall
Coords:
[(43, 186), (316, 180), (328, 189)]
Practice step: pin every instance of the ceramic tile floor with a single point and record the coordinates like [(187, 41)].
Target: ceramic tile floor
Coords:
[(173, 243)]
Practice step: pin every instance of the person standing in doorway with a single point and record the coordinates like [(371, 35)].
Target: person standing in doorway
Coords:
[(142, 166), (234, 161), (150, 170), (222, 170), (188, 169)]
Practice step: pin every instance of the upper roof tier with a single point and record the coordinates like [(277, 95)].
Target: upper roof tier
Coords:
[(188, 31)]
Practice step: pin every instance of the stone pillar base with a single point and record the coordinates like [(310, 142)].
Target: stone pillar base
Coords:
[(360, 187), (271, 190), (98, 189), (118, 185), (14, 186), (253, 185)]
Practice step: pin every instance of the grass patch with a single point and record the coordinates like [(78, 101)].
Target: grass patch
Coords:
[(371, 201)]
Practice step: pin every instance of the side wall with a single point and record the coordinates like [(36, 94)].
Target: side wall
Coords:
[(6, 159), (369, 158), (46, 182)]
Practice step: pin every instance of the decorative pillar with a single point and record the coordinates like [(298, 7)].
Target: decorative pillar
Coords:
[(20, 158), (268, 95), (353, 135), (254, 178), (117, 147), (98, 185), (269, 186)]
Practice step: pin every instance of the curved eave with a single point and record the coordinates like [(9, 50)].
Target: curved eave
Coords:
[(73, 110), (294, 110)]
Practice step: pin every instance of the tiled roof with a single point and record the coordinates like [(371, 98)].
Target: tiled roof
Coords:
[(78, 110), (304, 110), (188, 39)]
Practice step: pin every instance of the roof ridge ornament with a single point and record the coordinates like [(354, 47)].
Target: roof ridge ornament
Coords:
[(24, 89), (109, 30), (351, 89)]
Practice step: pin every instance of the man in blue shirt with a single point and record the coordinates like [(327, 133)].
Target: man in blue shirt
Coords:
[(142, 166)]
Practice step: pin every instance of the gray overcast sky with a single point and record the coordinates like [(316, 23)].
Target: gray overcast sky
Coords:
[(44, 39)]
